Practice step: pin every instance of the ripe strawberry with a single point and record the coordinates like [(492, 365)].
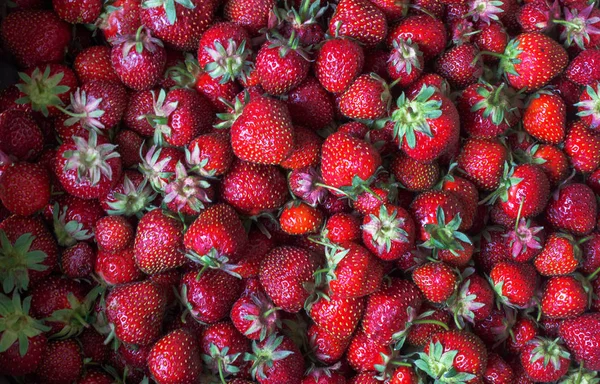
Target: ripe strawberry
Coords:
[(20, 136), (299, 218), (337, 316), (405, 63), (419, 334), (573, 209), (35, 37), (342, 227), (389, 233), (261, 130), (582, 337), (434, 210), (436, 280), (135, 312), (467, 195), (113, 233), (223, 347), (473, 301), (475, 153), (117, 268), (423, 124), (80, 12), (457, 354), (367, 98), (32, 249), (531, 60), (310, 105), (414, 175), (564, 297), (188, 193), (128, 145), (138, 59), (327, 349), (62, 362), (24, 350), (359, 19), (538, 15), (24, 188), (209, 295), (253, 16), (306, 151), (427, 32), (281, 65), (365, 354), (276, 360), (180, 23), (140, 104), (493, 38), (545, 360), (460, 65), (158, 242), (514, 283), (497, 370), (582, 146), (178, 351), (523, 330), (210, 154), (264, 187), (78, 261), (348, 163), (74, 219), (545, 118), (583, 69), (338, 62), (551, 160), (131, 195), (560, 255), (123, 18), (95, 376), (588, 104), (524, 191), (591, 254)]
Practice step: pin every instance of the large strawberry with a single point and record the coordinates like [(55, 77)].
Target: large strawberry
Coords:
[(514, 283), (582, 337), (545, 117), (175, 358), (582, 146), (25, 188), (573, 208), (545, 360), (338, 62), (563, 297)]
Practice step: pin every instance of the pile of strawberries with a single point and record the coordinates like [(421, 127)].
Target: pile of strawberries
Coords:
[(300, 192)]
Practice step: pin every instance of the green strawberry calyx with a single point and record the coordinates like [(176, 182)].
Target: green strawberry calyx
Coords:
[(16, 326), (230, 62), (591, 107), (90, 159), (439, 365), (549, 350), (445, 235), (264, 357), (385, 229), (68, 233), (169, 7), (187, 190), (16, 260), (41, 90)]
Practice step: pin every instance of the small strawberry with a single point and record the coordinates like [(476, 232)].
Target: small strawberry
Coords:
[(223, 348), (414, 175), (210, 154), (436, 280), (545, 118), (473, 301), (365, 354), (367, 98), (563, 297), (573, 209), (113, 233), (303, 184), (580, 27), (405, 63), (78, 261), (62, 362), (560, 256), (460, 65), (24, 188), (117, 268), (583, 69), (93, 64), (545, 360), (551, 160), (310, 105), (178, 351), (338, 62), (327, 348), (306, 151), (121, 18), (359, 19), (299, 218)]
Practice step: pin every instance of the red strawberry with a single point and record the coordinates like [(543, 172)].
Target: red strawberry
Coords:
[(460, 65), (299, 218), (405, 63), (582, 337), (365, 354), (573, 209), (368, 98), (337, 316), (587, 106), (95, 376), (264, 188), (310, 105), (209, 295), (580, 27), (545, 360), (123, 18), (24, 188), (434, 210), (140, 104), (281, 66), (493, 38), (583, 69), (78, 261), (423, 124), (523, 331), (138, 59), (117, 268), (339, 61), (255, 315), (459, 352), (20, 136), (427, 32), (223, 348), (545, 118), (475, 153), (175, 359), (276, 360), (35, 37), (306, 151), (359, 19), (74, 219), (564, 297), (79, 12), (514, 283), (62, 362), (582, 146), (389, 233), (497, 370), (560, 255), (538, 15), (531, 60), (131, 195), (436, 280), (158, 242), (474, 299), (180, 23), (113, 233), (524, 191), (210, 154), (135, 311), (327, 348), (253, 15), (552, 160), (420, 334)]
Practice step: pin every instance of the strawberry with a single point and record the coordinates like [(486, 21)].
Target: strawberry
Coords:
[(420, 333), (414, 175), (177, 351), (531, 60), (310, 105), (128, 145), (582, 146), (120, 19), (433, 211), (560, 255), (158, 242), (389, 311), (80, 12), (457, 354), (423, 124), (436, 280), (365, 354), (580, 27), (253, 16), (427, 32), (209, 295), (467, 194), (35, 37), (582, 337), (223, 347), (113, 233), (131, 195), (62, 362), (342, 227), (338, 62), (306, 151), (359, 19), (299, 218), (514, 283), (474, 299), (223, 51), (135, 312), (24, 188), (389, 233), (337, 316), (367, 98), (87, 167), (327, 349), (583, 69), (95, 376), (187, 193), (525, 240), (179, 23), (405, 63), (551, 160), (545, 118), (487, 111), (158, 166), (493, 38), (348, 163), (588, 106), (78, 261), (20, 136), (138, 59), (563, 297), (264, 188), (45, 88), (523, 330), (539, 15), (117, 268), (254, 315), (210, 154), (573, 209), (281, 65), (216, 237), (140, 104), (276, 360), (476, 152), (591, 254), (74, 219), (32, 249), (25, 343), (460, 65), (545, 360)]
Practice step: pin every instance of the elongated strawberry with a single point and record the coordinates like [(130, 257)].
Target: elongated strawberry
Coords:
[(178, 351), (573, 208), (545, 118), (338, 62)]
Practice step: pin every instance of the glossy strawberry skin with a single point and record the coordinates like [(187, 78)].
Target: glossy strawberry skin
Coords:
[(175, 358), (573, 209), (338, 62), (582, 337)]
